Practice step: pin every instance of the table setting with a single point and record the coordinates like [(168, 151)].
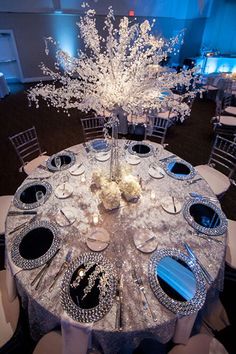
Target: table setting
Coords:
[(112, 253)]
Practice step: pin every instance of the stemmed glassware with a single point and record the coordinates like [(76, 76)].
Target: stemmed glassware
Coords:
[(39, 197), (57, 161)]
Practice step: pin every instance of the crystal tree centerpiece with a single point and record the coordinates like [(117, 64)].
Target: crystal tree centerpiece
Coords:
[(114, 72)]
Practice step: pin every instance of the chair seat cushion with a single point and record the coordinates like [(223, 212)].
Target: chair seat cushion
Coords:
[(228, 120), (231, 110), (50, 343), (32, 165), (166, 115), (231, 244), (9, 312), (218, 182), (200, 344), (5, 201), (212, 88)]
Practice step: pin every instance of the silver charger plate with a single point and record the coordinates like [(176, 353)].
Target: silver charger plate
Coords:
[(27, 206), (211, 231), (37, 262), (99, 145), (67, 155), (140, 145), (167, 168), (179, 307), (92, 314)]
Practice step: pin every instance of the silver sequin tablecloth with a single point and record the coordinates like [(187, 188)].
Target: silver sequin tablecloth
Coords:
[(171, 230)]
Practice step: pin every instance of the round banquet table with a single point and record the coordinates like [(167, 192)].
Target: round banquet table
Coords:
[(146, 215)]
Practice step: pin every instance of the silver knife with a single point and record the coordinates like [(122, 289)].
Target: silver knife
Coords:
[(67, 219), (140, 245), (194, 257), (41, 273), (23, 224), (139, 282), (173, 200), (195, 180), (119, 309), (62, 268)]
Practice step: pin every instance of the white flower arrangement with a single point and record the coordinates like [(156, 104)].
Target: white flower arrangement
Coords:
[(110, 195), (98, 178), (130, 187), (115, 74)]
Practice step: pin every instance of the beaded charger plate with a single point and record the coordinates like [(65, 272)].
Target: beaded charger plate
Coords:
[(99, 145), (88, 288), (67, 160), (205, 217), (179, 169), (141, 149), (166, 294), (25, 196), (35, 245)]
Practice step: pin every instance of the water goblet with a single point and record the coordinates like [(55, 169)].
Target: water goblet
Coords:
[(57, 161), (39, 197)]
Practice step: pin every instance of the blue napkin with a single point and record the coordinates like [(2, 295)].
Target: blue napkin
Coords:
[(180, 278)]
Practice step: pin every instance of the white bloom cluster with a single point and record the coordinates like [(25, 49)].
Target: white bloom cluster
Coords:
[(99, 179), (130, 187), (113, 71), (110, 196)]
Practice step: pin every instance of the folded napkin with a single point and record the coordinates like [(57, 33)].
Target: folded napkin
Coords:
[(180, 278), (76, 336)]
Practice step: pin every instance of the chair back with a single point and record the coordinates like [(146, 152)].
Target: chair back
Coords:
[(227, 100), (93, 127), (223, 155), (26, 145), (159, 128), (218, 107)]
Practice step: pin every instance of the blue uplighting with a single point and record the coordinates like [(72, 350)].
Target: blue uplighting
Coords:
[(66, 32)]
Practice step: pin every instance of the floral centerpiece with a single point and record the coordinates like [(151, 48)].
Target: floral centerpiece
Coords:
[(113, 74), (130, 188), (110, 195)]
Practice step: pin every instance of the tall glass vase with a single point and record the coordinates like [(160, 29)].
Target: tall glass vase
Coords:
[(114, 161)]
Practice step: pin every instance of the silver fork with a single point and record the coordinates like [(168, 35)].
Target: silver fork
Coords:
[(139, 282), (62, 268)]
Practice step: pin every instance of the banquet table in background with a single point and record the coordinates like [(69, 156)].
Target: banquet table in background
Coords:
[(146, 216)]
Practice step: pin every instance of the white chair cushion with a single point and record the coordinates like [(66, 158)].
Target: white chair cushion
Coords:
[(9, 312), (32, 165), (231, 110), (200, 344), (231, 244), (228, 120), (212, 88), (166, 115), (5, 201), (50, 343), (218, 182)]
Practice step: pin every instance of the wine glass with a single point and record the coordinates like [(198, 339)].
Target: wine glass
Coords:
[(57, 161), (39, 197)]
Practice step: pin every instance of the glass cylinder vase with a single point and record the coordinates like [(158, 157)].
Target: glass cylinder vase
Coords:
[(114, 161)]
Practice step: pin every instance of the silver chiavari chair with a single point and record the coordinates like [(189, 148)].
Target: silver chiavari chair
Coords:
[(221, 166), (93, 127), (28, 150), (159, 128)]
